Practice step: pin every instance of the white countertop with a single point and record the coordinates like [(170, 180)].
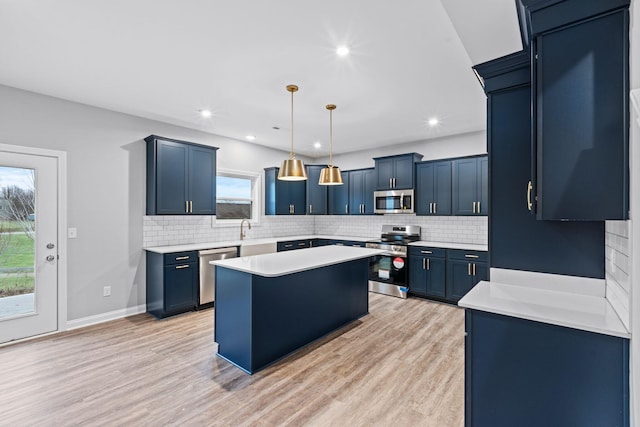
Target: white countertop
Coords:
[(282, 263), (572, 310), (445, 245), (228, 243)]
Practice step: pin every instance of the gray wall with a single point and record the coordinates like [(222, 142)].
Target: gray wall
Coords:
[(106, 187)]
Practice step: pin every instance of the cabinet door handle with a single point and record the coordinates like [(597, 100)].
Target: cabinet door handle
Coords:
[(190, 206), (471, 256), (430, 207), (346, 208), (428, 263), (469, 269), (180, 258), (424, 266), (478, 207), (529, 188), (186, 206), (426, 252), (394, 183), (474, 207), (474, 269), (310, 208), (179, 267), (435, 207)]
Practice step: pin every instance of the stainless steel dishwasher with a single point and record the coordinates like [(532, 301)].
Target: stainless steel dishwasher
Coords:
[(207, 272)]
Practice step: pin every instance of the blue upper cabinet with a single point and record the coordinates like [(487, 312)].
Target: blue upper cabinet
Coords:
[(338, 196), (361, 187), (316, 194), (433, 188), (470, 186), (283, 197), (181, 177), (580, 55), (395, 172), (517, 241)]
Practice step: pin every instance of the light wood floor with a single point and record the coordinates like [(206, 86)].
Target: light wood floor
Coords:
[(401, 365)]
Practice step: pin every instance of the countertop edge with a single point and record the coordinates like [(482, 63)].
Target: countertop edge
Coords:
[(472, 301)]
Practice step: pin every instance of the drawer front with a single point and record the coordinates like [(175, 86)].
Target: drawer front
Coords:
[(180, 257), (471, 256), (427, 251), (290, 245)]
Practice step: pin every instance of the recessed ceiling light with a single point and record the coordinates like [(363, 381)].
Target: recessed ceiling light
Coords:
[(342, 51), (433, 121), (250, 137), (317, 145), (205, 113)]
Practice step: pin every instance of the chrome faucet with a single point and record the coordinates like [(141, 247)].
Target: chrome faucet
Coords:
[(243, 234)]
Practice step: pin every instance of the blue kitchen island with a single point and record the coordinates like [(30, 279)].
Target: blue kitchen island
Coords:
[(267, 306)]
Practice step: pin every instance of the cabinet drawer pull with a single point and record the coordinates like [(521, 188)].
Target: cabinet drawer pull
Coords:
[(180, 258), (288, 246), (426, 252), (179, 267), (469, 269), (301, 244), (529, 188), (471, 256)]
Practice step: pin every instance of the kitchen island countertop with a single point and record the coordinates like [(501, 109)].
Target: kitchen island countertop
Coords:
[(283, 263)]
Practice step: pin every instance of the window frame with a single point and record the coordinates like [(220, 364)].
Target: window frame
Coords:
[(256, 196)]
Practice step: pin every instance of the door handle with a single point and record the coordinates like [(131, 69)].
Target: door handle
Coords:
[(428, 264), (474, 269), (50, 246), (529, 188), (310, 208), (394, 183), (469, 269), (430, 207), (179, 267), (424, 266), (50, 258), (471, 256), (390, 184), (180, 258), (435, 207), (186, 206), (474, 207), (346, 208), (478, 207), (426, 252), (191, 206)]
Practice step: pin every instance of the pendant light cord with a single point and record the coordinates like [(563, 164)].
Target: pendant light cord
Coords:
[(291, 156), (331, 138)]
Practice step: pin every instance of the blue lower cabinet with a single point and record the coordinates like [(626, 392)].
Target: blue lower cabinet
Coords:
[(427, 272), (172, 283), (524, 373)]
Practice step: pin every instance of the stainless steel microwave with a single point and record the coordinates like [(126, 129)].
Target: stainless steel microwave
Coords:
[(393, 201)]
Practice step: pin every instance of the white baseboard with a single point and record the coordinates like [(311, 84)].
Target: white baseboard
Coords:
[(105, 317)]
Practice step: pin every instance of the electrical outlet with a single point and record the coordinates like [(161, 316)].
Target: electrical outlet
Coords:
[(106, 291)]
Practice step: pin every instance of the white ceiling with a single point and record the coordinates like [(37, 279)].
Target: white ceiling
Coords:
[(167, 59)]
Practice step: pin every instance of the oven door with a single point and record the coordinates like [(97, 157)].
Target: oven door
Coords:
[(394, 201), (388, 268)]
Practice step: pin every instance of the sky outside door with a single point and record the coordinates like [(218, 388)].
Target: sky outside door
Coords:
[(28, 245)]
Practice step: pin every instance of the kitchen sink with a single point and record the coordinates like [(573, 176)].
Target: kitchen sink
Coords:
[(248, 249)]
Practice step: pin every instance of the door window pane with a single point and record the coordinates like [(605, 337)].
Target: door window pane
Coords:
[(17, 233)]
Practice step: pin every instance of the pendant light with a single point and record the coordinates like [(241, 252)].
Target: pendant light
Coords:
[(331, 174), (292, 169)]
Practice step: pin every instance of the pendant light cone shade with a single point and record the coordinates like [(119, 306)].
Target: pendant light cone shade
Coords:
[(292, 169), (331, 174)]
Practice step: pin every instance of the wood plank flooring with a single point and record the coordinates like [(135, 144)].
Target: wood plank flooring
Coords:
[(400, 365)]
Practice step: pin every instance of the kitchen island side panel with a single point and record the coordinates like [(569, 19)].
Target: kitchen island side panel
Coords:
[(293, 310), (232, 313), (259, 319)]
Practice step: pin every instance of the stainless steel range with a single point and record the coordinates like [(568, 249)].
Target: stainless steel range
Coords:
[(388, 271)]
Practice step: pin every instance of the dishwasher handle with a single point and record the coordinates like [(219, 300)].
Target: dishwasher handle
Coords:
[(206, 252)]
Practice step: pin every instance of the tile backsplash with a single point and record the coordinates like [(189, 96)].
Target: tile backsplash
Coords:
[(617, 252), (177, 230)]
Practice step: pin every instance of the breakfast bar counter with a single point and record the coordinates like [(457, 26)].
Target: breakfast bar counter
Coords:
[(269, 305)]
